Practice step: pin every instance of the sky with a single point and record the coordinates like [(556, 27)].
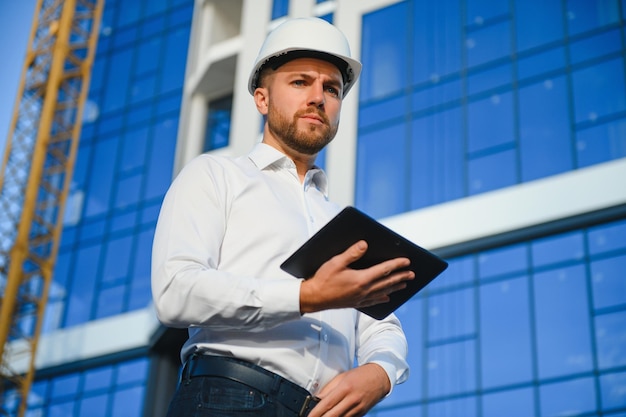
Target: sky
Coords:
[(16, 17)]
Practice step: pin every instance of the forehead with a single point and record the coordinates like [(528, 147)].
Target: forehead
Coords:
[(305, 65)]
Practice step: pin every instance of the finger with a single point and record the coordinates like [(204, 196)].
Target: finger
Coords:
[(386, 268), (353, 253)]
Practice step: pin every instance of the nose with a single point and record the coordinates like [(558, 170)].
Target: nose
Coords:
[(316, 94)]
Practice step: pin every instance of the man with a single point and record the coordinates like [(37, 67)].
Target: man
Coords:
[(262, 342)]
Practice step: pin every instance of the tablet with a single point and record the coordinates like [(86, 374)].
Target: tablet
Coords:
[(352, 225)]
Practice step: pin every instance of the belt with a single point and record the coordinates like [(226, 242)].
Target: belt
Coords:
[(291, 395)]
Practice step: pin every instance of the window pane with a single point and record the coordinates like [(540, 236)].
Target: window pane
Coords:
[(102, 175), (557, 249), (612, 390), (584, 15), (535, 29), (437, 39), (491, 172), (505, 333), (596, 46), (451, 315), (601, 143), (606, 238), (545, 143), (575, 397), (437, 167), (506, 260), (515, 403), (455, 407), (599, 90), (382, 172), (83, 286), (160, 165), (609, 285), (480, 10), (560, 300), (384, 51), (490, 122), (451, 370), (175, 57), (118, 74), (488, 44), (610, 337)]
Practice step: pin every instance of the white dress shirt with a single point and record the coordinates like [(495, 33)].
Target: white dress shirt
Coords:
[(225, 227)]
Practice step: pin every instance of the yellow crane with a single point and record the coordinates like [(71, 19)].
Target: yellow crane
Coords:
[(36, 172)]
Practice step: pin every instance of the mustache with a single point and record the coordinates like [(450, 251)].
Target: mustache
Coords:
[(313, 110)]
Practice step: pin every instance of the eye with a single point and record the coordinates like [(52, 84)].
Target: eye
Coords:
[(333, 91), (298, 83)]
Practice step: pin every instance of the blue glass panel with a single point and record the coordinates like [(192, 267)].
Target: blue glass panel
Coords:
[(609, 285), (536, 64), (601, 143), (415, 411), (437, 39), (65, 386), (491, 78), (381, 111), (488, 43), (133, 371), (436, 94), (585, 15), (128, 191), (599, 90), (556, 249), (502, 261), (595, 46), (537, 28), (544, 129), (382, 172), (437, 159), (123, 37), (167, 105), (140, 294), (560, 300), (384, 47), (128, 402), (123, 221), (606, 238), (154, 6), (149, 29), (490, 122), (181, 16), (118, 75), (218, 123), (572, 398), (478, 11), (110, 301), (91, 230), (612, 388), (320, 160), (143, 88), (410, 314), (175, 57), (134, 149), (82, 291), (466, 407), (610, 336), (451, 370), (82, 166), (102, 175), (491, 172), (61, 410), (460, 270), (161, 158), (139, 114), (117, 259), (95, 406), (513, 403), (280, 8), (505, 334), (451, 315), (98, 72), (129, 13), (97, 379)]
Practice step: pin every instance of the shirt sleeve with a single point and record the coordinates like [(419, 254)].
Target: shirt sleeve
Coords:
[(187, 287), (383, 342)]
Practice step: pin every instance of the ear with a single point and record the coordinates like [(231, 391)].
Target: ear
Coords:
[(261, 99)]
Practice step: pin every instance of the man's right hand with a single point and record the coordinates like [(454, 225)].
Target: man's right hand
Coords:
[(336, 285)]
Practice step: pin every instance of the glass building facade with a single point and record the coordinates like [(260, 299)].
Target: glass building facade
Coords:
[(459, 100)]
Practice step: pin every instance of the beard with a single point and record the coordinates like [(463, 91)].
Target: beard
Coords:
[(308, 141)]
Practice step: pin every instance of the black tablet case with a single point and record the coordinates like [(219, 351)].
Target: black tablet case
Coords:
[(352, 225)]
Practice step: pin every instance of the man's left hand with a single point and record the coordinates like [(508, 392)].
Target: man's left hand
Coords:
[(353, 393)]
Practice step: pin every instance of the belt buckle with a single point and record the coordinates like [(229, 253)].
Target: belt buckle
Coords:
[(305, 406)]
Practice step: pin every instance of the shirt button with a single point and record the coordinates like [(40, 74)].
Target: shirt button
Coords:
[(325, 338), (316, 385)]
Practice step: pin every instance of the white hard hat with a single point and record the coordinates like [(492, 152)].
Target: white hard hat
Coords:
[(306, 37)]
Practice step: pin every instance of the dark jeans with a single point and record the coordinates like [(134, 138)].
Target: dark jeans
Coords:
[(221, 397)]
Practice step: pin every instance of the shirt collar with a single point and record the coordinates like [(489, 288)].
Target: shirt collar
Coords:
[(264, 156)]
